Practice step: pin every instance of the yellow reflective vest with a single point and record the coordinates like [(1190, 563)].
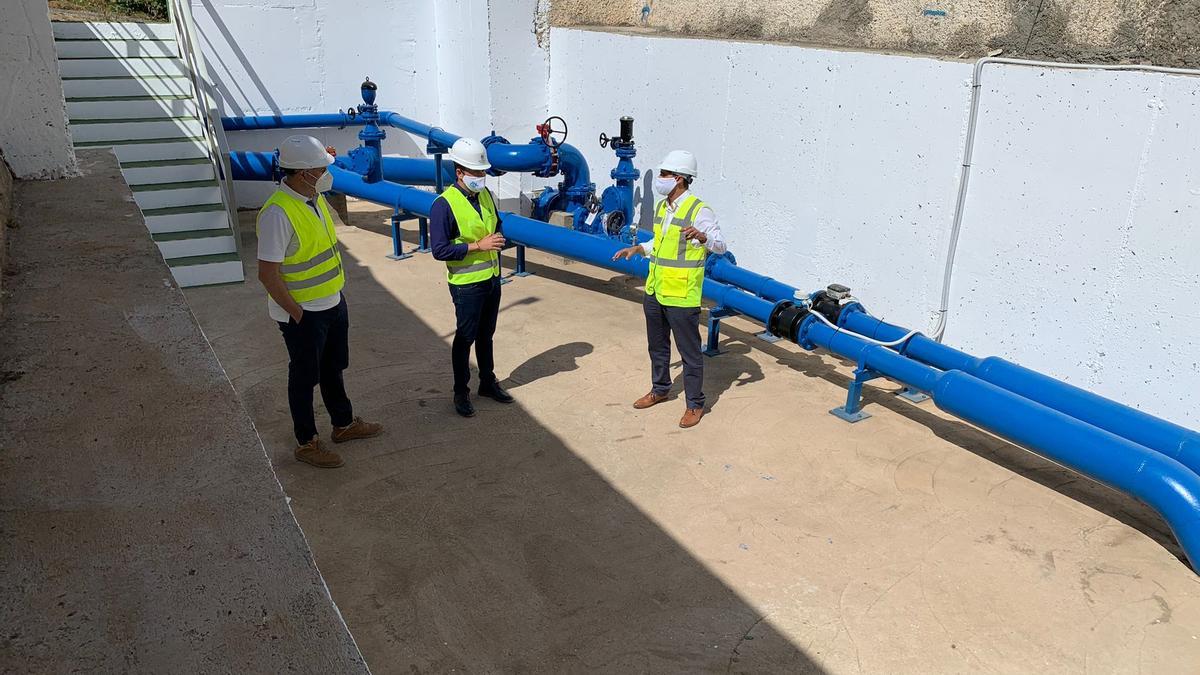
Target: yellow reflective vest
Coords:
[(315, 269), (676, 276)]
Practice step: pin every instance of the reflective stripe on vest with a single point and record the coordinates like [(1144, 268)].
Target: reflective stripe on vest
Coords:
[(676, 276), (472, 226), (315, 269)]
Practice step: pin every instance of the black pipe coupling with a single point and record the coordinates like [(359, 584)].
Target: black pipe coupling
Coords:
[(786, 318)]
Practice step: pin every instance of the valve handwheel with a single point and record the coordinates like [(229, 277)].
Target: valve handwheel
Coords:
[(551, 133), (604, 139)]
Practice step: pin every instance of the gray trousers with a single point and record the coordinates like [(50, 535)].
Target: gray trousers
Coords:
[(684, 323)]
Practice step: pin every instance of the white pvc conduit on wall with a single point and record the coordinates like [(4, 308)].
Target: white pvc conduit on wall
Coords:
[(939, 327)]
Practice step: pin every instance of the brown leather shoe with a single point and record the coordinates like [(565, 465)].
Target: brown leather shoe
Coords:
[(691, 417), (648, 400), (356, 430), (311, 453)]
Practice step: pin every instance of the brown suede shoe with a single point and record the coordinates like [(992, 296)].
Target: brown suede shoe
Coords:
[(356, 430), (311, 453), (648, 400), (691, 417)]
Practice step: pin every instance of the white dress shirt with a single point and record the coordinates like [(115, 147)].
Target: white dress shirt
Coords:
[(705, 222)]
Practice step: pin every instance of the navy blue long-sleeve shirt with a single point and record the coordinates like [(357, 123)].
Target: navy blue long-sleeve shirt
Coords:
[(443, 228)]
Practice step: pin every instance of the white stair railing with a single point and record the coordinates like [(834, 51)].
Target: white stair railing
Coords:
[(214, 134)]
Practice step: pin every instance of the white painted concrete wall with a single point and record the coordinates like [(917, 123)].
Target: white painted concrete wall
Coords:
[(469, 66), (1080, 253), (33, 117), (1080, 249), (309, 56)]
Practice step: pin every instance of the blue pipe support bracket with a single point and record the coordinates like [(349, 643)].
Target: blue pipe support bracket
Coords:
[(1158, 480), (1169, 439)]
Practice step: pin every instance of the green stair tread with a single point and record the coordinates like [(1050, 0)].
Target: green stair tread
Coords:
[(193, 234), (138, 141), (203, 259), (177, 185), (148, 163), (132, 120), (176, 210), (113, 99)]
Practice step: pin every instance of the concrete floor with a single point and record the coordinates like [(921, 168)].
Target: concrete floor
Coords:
[(572, 533), (141, 527)]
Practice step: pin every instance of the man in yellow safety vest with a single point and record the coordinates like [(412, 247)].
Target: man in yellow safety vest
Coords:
[(465, 232), (685, 232), (301, 268)]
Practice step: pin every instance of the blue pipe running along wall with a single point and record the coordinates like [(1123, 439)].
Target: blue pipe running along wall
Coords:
[(1146, 457)]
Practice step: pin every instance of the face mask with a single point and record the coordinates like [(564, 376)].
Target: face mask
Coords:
[(324, 183), (474, 183), (663, 186)]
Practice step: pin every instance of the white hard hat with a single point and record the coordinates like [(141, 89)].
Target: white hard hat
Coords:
[(469, 153), (679, 161), (303, 152)]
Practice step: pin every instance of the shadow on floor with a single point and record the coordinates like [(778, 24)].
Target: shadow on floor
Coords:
[(559, 359), (487, 545)]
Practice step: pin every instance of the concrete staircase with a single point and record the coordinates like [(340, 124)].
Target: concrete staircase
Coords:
[(127, 88)]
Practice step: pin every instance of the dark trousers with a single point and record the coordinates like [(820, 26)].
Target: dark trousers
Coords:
[(319, 349), (476, 307), (684, 323)]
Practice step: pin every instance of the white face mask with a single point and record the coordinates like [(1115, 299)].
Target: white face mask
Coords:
[(663, 186), (324, 183), (474, 183)]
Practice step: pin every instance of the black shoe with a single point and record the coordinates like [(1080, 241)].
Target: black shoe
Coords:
[(495, 392), (463, 406)]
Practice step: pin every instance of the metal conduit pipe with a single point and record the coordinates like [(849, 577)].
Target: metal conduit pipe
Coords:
[(1160, 481), (1169, 439)]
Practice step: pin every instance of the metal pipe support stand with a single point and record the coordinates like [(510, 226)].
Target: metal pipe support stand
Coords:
[(422, 235), (711, 347), (398, 243), (520, 270), (912, 395), (852, 412)]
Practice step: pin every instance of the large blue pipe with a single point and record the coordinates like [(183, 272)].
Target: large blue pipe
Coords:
[(1152, 432), (1158, 480), (288, 122), (763, 286), (415, 171), (531, 157)]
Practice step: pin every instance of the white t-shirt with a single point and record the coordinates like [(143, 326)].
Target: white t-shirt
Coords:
[(276, 241)]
